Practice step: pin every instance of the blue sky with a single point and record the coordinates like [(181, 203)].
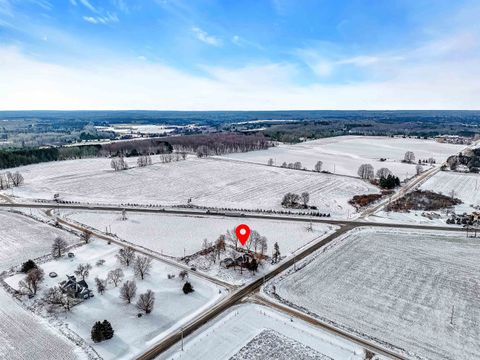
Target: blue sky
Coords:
[(239, 55)]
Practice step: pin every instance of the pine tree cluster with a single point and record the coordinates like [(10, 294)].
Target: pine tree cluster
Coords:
[(102, 331)]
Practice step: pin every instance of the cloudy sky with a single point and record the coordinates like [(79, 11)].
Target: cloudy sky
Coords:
[(239, 54)]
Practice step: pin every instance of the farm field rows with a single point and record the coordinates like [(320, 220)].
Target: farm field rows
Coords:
[(22, 238), (23, 336), (183, 235), (246, 331), (132, 333), (344, 154), (416, 293), (207, 182)]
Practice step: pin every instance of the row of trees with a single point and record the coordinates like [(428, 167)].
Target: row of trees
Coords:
[(297, 165), (9, 180), (219, 143)]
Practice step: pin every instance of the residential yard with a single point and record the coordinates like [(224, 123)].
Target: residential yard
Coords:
[(256, 332), (413, 292), (207, 182), (344, 154), (132, 334)]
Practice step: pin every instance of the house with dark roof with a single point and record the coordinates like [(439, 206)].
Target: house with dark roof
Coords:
[(76, 289)]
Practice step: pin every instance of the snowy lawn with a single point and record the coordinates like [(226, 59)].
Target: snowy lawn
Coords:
[(23, 336), (249, 331), (466, 187), (132, 334), (175, 235), (344, 154), (22, 238), (208, 182), (416, 292)]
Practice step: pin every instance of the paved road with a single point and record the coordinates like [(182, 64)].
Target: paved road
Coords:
[(293, 218)]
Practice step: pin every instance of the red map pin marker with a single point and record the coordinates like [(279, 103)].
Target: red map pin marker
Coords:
[(243, 232)]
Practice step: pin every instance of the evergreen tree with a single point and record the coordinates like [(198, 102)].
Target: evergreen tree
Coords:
[(97, 333), (107, 330), (28, 265), (187, 288)]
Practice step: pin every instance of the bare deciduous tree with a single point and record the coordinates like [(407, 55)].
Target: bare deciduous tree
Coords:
[(365, 171), (270, 162), (383, 173), (59, 247), (128, 291), (419, 169), (318, 166), (146, 302), (409, 157), (54, 296), (142, 266), (305, 198), (83, 270), (31, 281), (284, 165), (115, 276), (297, 165), (126, 256), (183, 274), (101, 285), (16, 179), (144, 160), (119, 164)]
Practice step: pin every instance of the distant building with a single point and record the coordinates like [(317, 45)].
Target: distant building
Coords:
[(453, 139)]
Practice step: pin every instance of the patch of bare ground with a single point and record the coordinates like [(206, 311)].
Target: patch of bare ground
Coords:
[(423, 200)]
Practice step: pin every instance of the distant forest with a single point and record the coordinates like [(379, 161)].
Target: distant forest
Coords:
[(201, 145)]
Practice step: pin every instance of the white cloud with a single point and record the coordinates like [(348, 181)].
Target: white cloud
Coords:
[(112, 84), (109, 18), (205, 37), (88, 5)]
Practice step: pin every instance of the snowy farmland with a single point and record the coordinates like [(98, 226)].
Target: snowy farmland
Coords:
[(466, 187), (264, 334), (23, 336), (132, 334), (416, 293), (183, 235), (344, 154), (208, 182), (22, 238)]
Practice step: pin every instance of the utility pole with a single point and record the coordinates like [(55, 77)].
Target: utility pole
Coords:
[(182, 336)]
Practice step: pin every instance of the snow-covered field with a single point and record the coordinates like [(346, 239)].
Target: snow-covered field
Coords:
[(415, 292), (22, 238), (344, 154), (132, 334), (208, 182), (183, 235), (249, 331), (466, 187), (25, 337)]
